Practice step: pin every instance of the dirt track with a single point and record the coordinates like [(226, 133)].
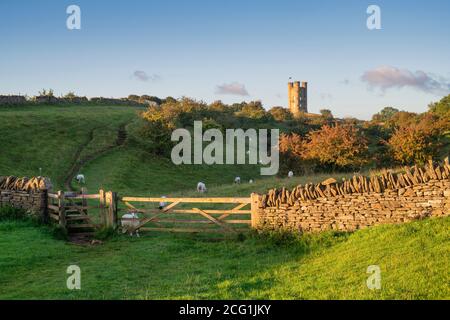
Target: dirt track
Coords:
[(79, 162)]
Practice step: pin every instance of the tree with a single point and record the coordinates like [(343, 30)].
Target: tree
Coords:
[(418, 141), (292, 151), (253, 110), (385, 114), (338, 146), (156, 137), (326, 114), (292, 144), (70, 95), (133, 97), (280, 114), (401, 119), (46, 93), (441, 108)]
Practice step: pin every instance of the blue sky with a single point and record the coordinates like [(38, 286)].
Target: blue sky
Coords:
[(196, 47)]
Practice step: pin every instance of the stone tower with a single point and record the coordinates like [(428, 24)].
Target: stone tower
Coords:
[(298, 97)]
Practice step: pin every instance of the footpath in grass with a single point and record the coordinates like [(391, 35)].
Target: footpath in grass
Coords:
[(47, 140)]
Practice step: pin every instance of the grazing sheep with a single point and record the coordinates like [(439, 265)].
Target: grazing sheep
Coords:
[(80, 178), (201, 187), (250, 181), (237, 180), (290, 174), (162, 204), (130, 222)]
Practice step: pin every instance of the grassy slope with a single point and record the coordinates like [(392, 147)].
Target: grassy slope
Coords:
[(413, 259), (53, 137), (49, 137)]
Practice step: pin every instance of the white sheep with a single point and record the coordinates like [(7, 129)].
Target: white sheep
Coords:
[(201, 187), (250, 181), (237, 180), (80, 178), (162, 204), (290, 174), (130, 222)]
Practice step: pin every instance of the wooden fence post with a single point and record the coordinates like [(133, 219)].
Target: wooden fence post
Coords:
[(62, 209), (84, 202), (114, 202), (111, 198), (102, 201), (255, 198)]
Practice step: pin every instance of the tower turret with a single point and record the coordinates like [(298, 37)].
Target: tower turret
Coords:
[(298, 97)]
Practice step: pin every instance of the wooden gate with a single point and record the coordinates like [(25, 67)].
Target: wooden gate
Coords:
[(206, 215), (70, 211)]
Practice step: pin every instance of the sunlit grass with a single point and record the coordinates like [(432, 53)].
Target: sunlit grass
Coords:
[(413, 257)]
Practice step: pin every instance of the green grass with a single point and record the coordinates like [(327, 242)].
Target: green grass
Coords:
[(414, 258), (50, 137), (414, 262)]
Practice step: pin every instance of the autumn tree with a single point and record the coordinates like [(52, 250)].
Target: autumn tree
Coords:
[(292, 151), (401, 119), (337, 146), (418, 141), (293, 144)]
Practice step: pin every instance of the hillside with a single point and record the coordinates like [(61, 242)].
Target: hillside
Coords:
[(55, 138), (413, 257)]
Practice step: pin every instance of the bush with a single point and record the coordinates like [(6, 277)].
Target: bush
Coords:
[(418, 141), (338, 146)]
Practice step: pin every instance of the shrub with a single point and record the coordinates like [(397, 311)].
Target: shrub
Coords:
[(338, 146), (418, 141)]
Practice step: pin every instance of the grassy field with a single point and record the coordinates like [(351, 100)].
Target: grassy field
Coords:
[(414, 258), (53, 138)]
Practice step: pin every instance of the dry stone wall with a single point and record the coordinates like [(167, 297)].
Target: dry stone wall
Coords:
[(360, 202), (12, 100), (25, 193)]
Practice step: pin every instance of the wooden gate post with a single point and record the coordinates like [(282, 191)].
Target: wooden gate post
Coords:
[(111, 198), (255, 199), (62, 209), (84, 202), (102, 206)]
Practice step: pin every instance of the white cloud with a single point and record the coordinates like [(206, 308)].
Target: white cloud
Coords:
[(388, 77), (233, 88), (143, 76)]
